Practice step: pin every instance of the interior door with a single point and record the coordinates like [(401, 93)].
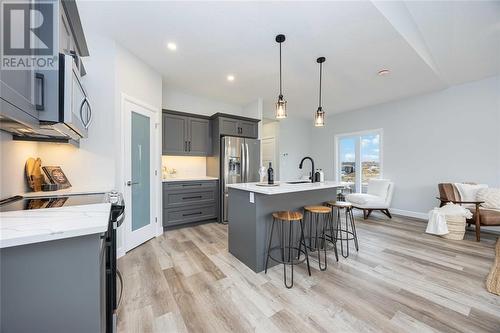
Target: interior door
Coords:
[(268, 146), (139, 157)]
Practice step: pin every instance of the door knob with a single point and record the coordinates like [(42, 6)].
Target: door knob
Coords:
[(130, 183)]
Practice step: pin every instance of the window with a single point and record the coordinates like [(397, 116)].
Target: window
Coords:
[(359, 158)]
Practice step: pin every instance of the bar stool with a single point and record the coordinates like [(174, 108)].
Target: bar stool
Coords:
[(289, 259), (343, 234), (319, 223)]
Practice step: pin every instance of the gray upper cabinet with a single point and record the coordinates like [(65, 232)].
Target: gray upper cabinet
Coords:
[(237, 126), (199, 136), (175, 134), (229, 126), (249, 129), (24, 93), (19, 87), (185, 134)]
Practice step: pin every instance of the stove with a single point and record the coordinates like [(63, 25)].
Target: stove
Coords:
[(116, 217)]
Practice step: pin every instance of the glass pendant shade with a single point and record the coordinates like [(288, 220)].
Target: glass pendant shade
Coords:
[(319, 118), (281, 108)]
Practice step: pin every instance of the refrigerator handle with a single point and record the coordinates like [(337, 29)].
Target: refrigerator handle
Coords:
[(247, 157), (243, 164)]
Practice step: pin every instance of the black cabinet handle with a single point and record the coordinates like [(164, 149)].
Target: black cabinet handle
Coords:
[(189, 144), (191, 214), (186, 185), (195, 197), (41, 77)]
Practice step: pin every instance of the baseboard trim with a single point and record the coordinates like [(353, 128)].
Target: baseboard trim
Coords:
[(120, 252), (409, 213)]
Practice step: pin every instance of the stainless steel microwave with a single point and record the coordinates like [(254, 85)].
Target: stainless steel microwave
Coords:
[(59, 111), (68, 109)]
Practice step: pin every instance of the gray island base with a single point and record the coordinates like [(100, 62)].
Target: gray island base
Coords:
[(249, 224)]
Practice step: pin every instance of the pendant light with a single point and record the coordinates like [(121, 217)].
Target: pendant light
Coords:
[(319, 116), (281, 103)]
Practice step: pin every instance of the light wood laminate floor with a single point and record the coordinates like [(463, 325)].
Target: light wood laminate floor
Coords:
[(402, 280)]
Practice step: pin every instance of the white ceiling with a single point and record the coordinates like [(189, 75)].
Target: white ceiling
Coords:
[(427, 46)]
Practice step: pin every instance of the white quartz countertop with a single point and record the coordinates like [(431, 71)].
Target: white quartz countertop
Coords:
[(188, 179), (283, 187), (41, 225)]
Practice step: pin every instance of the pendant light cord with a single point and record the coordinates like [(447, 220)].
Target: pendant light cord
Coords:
[(320, 77), (280, 71)]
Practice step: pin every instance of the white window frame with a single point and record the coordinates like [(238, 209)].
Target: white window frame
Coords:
[(380, 132)]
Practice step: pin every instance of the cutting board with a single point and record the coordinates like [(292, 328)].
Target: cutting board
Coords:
[(34, 173)]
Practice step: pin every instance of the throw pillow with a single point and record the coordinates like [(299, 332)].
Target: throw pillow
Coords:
[(468, 192), (490, 196)]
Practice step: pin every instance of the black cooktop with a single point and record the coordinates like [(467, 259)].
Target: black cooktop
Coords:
[(21, 203)]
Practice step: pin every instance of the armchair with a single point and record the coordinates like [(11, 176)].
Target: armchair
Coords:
[(379, 197), (448, 192)]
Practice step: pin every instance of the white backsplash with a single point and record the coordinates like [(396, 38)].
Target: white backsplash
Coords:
[(185, 166)]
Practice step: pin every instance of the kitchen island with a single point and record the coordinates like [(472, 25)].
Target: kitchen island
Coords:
[(250, 207)]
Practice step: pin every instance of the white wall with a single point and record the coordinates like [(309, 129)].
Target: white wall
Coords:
[(174, 99), (294, 144), (93, 165), (448, 136), (13, 156), (135, 79)]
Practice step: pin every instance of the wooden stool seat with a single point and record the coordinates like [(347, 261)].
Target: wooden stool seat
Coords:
[(342, 204), (288, 216), (318, 209)]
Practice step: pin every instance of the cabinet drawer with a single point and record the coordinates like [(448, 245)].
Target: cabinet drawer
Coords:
[(179, 216), (173, 199), (191, 185)]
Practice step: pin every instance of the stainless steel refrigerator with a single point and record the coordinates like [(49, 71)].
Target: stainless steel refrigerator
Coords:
[(240, 163)]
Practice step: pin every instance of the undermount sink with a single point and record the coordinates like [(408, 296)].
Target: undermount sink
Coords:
[(299, 182)]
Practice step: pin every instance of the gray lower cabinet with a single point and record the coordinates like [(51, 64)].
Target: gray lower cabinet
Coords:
[(187, 202), (185, 135), (54, 286)]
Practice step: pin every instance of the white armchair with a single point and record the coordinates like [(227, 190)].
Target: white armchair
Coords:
[(379, 197)]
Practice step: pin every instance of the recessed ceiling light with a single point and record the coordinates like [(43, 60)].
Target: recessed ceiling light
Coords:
[(230, 78), (172, 46), (384, 72)]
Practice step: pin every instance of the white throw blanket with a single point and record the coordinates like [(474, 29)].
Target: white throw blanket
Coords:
[(437, 218)]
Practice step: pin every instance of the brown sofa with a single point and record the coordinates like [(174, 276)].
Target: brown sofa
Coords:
[(481, 216)]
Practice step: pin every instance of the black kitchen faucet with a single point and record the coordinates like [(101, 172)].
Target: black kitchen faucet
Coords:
[(312, 167)]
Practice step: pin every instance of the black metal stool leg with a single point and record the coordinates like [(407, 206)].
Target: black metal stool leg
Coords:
[(310, 229), (269, 246), (303, 240), (323, 245), (333, 238), (347, 230), (289, 259), (353, 227)]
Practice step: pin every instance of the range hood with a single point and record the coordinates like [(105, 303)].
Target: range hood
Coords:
[(23, 127)]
